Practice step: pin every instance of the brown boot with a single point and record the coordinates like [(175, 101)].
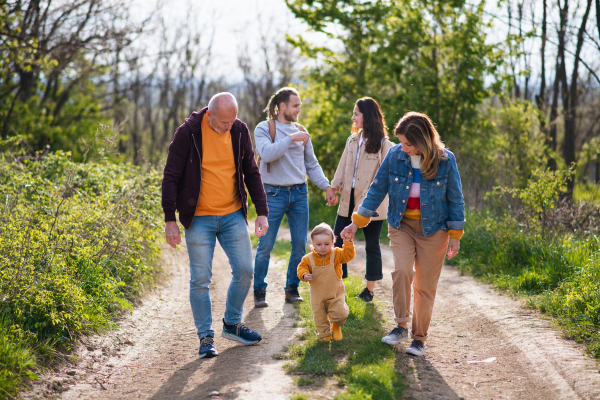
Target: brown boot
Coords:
[(260, 300), (292, 295)]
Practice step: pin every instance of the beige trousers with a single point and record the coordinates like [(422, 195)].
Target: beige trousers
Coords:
[(418, 262), (327, 297)]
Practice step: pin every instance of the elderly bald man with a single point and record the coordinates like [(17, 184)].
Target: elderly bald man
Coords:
[(209, 161)]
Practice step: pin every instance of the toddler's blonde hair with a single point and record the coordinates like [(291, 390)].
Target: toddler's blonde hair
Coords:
[(321, 229)]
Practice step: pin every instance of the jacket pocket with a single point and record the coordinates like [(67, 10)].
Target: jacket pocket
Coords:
[(438, 188), (396, 185)]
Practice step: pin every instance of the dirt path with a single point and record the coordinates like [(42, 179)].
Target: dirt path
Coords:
[(472, 323), (154, 353)]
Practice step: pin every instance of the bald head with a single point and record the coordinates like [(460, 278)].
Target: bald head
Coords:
[(222, 112)]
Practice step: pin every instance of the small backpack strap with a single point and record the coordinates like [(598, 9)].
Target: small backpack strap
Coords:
[(311, 259), (272, 133), (300, 127), (332, 258)]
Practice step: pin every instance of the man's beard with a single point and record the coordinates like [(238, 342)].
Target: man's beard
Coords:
[(215, 129), (289, 117)]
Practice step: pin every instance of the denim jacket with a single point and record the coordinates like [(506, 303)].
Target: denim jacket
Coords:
[(442, 204)]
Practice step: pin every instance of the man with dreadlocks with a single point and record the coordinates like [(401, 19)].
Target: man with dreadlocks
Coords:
[(287, 156)]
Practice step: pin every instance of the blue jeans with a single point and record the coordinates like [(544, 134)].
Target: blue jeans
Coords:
[(293, 202), (232, 232)]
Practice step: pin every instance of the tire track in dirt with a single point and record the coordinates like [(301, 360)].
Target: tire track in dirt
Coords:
[(153, 355), (473, 322)]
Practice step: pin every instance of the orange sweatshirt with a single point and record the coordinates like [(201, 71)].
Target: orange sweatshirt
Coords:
[(343, 255)]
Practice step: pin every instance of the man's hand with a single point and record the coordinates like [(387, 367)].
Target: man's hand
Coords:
[(261, 225), (300, 137), (348, 232), (330, 196), (453, 247), (172, 234)]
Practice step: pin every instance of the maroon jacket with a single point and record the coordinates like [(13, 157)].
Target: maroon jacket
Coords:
[(183, 176)]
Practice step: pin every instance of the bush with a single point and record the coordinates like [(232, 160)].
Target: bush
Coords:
[(558, 275), (77, 244)]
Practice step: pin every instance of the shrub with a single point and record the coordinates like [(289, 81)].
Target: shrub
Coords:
[(77, 244)]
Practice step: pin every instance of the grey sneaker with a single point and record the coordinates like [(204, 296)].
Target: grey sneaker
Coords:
[(260, 300), (416, 348), (397, 335)]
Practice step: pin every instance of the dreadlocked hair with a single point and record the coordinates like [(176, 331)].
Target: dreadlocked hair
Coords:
[(282, 96)]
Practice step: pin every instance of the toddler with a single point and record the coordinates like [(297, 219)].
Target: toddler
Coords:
[(322, 267)]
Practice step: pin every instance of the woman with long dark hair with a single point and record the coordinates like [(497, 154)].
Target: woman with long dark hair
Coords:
[(365, 150)]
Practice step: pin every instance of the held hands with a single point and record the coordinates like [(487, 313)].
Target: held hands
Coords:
[(261, 225), (300, 137), (348, 232), (307, 277), (172, 234), (331, 196), (453, 247)]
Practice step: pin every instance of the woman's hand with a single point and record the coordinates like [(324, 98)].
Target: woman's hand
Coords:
[(348, 232), (453, 247)]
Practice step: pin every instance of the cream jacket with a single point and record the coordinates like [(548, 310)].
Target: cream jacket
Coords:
[(368, 164)]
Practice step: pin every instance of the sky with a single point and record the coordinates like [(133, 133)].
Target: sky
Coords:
[(236, 24)]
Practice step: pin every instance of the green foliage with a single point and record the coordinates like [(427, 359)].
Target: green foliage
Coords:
[(77, 243), (360, 362), (557, 275), (539, 196), (408, 55)]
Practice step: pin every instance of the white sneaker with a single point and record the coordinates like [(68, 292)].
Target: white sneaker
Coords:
[(416, 348), (397, 335)]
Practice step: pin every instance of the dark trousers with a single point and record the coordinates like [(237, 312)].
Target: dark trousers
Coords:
[(372, 233)]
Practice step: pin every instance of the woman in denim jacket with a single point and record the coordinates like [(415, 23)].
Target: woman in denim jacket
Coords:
[(426, 218)]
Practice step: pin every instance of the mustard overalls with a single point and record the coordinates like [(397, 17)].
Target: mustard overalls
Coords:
[(327, 296)]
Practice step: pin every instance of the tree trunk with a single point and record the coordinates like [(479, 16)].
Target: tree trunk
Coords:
[(572, 95)]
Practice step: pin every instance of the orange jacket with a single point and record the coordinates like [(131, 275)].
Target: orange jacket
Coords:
[(342, 256)]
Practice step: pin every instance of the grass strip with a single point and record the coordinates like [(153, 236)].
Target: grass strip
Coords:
[(559, 276), (360, 362)]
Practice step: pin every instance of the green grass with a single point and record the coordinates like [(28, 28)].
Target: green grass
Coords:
[(587, 192), (558, 276), (360, 362)]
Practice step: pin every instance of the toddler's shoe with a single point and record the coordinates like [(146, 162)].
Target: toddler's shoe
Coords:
[(326, 339), (336, 331)]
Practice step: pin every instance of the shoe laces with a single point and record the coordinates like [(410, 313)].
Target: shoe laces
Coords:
[(207, 341), (417, 344), (398, 330), (241, 328)]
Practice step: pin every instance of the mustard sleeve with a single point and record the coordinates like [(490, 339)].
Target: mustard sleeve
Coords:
[(456, 233), (343, 255), (304, 268), (360, 220)]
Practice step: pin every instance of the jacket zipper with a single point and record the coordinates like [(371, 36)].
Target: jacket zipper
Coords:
[(238, 172), (199, 168)]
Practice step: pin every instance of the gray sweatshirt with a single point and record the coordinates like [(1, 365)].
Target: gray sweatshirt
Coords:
[(290, 161)]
